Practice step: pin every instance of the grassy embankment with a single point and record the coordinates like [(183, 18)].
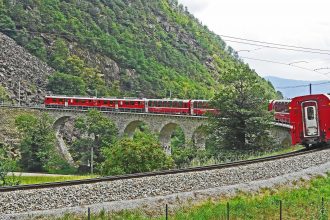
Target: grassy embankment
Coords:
[(303, 201), (47, 179), (59, 178)]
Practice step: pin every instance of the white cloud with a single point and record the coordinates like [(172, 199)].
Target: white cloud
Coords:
[(302, 23)]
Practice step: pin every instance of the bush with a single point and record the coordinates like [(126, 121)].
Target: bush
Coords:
[(143, 153)]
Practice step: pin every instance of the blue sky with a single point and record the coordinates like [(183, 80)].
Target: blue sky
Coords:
[(301, 23)]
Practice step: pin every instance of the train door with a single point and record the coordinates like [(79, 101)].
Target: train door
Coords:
[(146, 102), (310, 119), (66, 102), (192, 107)]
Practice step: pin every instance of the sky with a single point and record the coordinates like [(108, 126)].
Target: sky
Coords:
[(300, 23)]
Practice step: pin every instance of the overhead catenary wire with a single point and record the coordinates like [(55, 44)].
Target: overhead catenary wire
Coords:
[(279, 48), (282, 63), (303, 85), (264, 42)]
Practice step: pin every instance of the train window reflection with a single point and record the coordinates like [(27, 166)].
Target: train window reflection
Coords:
[(310, 113)]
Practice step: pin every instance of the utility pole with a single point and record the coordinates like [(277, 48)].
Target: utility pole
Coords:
[(19, 92), (92, 153), (310, 88)]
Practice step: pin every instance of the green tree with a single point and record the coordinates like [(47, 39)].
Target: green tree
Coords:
[(244, 122), (4, 96), (64, 84), (59, 55), (74, 66), (37, 47), (8, 163), (97, 131), (143, 153), (38, 141)]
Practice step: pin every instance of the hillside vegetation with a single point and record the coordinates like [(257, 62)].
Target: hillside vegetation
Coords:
[(121, 47)]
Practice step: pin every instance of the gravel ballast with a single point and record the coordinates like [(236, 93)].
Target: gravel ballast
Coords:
[(158, 190)]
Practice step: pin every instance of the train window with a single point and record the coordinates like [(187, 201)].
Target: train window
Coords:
[(169, 104), (180, 104), (310, 113), (54, 100), (160, 104), (111, 102), (132, 103)]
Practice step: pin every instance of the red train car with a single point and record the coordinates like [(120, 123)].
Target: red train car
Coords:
[(281, 110), (310, 119), (168, 106), (104, 104), (201, 107), (158, 106)]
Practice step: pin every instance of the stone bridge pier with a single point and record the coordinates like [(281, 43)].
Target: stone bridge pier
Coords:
[(127, 123), (282, 135)]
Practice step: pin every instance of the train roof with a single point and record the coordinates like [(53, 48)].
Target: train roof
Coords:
[(95, 98), (282, 100), (117, 99), (167, 99)]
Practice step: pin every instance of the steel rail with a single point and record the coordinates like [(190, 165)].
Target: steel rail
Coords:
[(158, 173)]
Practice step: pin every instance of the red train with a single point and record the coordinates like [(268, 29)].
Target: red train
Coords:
[(160, 106), (309, 117)]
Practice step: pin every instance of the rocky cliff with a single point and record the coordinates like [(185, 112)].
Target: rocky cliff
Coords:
[(21, 71)]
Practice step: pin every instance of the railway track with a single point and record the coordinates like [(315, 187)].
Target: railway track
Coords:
[(159, 173)]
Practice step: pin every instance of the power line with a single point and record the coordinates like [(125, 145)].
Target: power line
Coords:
[(303, 85), (264, 42), (281, 63), (279, 48)]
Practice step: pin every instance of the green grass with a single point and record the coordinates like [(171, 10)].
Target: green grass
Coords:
[(303, 201), (46, 179), (282, 151)]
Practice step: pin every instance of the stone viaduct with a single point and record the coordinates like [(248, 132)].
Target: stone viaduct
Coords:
[(162, 124)]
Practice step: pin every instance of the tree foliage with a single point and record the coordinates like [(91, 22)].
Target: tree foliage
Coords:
[(98, 132), (4, 96), (8, 163), (243, 121), (65, 84), (38, 142), (159, 46), (143, 153)]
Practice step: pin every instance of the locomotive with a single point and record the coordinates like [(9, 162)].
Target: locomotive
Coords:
[(308, 116), (157, 106)]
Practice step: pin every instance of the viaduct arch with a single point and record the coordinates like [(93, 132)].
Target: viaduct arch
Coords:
[(127, 123)]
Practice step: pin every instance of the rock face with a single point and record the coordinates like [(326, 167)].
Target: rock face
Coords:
[(17, 66)]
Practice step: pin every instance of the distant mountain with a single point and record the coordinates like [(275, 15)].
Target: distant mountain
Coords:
[(291, 88)]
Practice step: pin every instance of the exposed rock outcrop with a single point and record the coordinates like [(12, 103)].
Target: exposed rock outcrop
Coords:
[(17, 66)]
